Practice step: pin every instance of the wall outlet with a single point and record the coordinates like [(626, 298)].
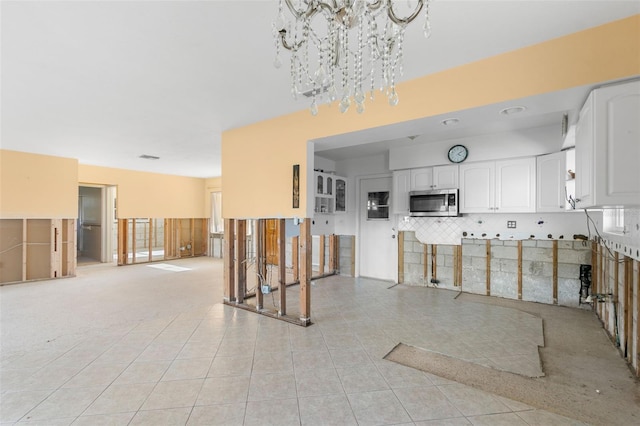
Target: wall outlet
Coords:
[(511, 224)]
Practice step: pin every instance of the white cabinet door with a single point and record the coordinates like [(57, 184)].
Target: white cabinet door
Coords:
[(515, 185), (422, 178), (608, 148), (445, 177), (551, 173), (477, 187), (400, 194), (584, 156)]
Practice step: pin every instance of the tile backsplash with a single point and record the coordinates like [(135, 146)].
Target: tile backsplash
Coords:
[(538, 226)]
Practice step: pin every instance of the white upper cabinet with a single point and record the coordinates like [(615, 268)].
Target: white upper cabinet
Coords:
[(551, 176), (608, 148), (445, 177), (438, 177), (422, 178), (506, 186), (477, 187), (400, 194), (516, 185)]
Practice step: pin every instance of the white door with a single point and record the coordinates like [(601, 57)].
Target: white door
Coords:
[(378, 245)]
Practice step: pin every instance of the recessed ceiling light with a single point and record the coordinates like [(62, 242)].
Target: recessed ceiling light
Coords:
[(450, 122), (512, 110), (149, 157)]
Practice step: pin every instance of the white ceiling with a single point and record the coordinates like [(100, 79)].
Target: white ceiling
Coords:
[(107, 81)]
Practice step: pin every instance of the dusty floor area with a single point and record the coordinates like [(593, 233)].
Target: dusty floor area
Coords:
[(585, 377)]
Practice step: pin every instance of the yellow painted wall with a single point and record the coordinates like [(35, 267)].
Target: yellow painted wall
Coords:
[(155, 195), (257, 159), (211, 185), (36, 186)]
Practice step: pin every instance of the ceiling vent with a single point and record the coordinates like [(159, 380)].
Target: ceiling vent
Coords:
[(149, 157)]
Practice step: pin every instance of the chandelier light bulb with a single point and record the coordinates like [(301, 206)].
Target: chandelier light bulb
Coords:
[(351, 46)]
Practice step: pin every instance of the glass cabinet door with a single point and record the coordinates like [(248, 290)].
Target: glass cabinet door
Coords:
[(341, 195), (320, 187)]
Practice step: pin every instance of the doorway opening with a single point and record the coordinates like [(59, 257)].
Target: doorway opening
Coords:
[(95, 225)]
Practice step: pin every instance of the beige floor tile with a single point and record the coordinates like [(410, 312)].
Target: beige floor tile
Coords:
[(458, 421), (96, 375), (166, 417), (473, 402), (224, 390), (326, 410), (161, 351), (365, 378), (185, 369), (120, 399), (312, 360), (224, 414), (318, 382), (143, 372), (64, 403), (173, 394), (193, 349), (120, 419), (503, 419), (272, 362), (231, 366), (349, 357), (426, 403), (280, 412), (377, 408), (14, 405), (272, 386)]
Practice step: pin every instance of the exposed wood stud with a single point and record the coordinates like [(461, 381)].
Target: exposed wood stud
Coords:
[(321, 254), (241, 260), (229, 260), (332, 253), (488, 283), (628, 307), (337, 255), (295, 258), (637, 346), (400, 257), (24, 249), (150, 240), (305, 271), (594, 269), (122, 241), (455, 266), (434, 263), (460, 266), (425, 262), (261, 260), (282, 266), (555, 272), (133, 240)]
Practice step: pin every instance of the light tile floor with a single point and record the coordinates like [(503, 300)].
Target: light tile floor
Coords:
[(143, 346)]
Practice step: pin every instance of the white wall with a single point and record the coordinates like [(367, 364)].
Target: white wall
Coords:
[(522, 143), (352, 169)]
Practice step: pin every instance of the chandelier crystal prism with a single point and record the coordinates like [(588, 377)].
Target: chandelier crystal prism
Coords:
[(342, 49)]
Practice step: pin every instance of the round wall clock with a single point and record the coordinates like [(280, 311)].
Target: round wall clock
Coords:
[(458, 153)]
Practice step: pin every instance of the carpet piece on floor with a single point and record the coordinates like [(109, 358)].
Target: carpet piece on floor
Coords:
[(585, 405)]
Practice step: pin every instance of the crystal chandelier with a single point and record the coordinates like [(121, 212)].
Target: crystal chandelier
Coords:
[(345, 48)]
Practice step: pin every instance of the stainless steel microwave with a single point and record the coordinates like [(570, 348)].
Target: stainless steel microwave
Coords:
[(434, 202)]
